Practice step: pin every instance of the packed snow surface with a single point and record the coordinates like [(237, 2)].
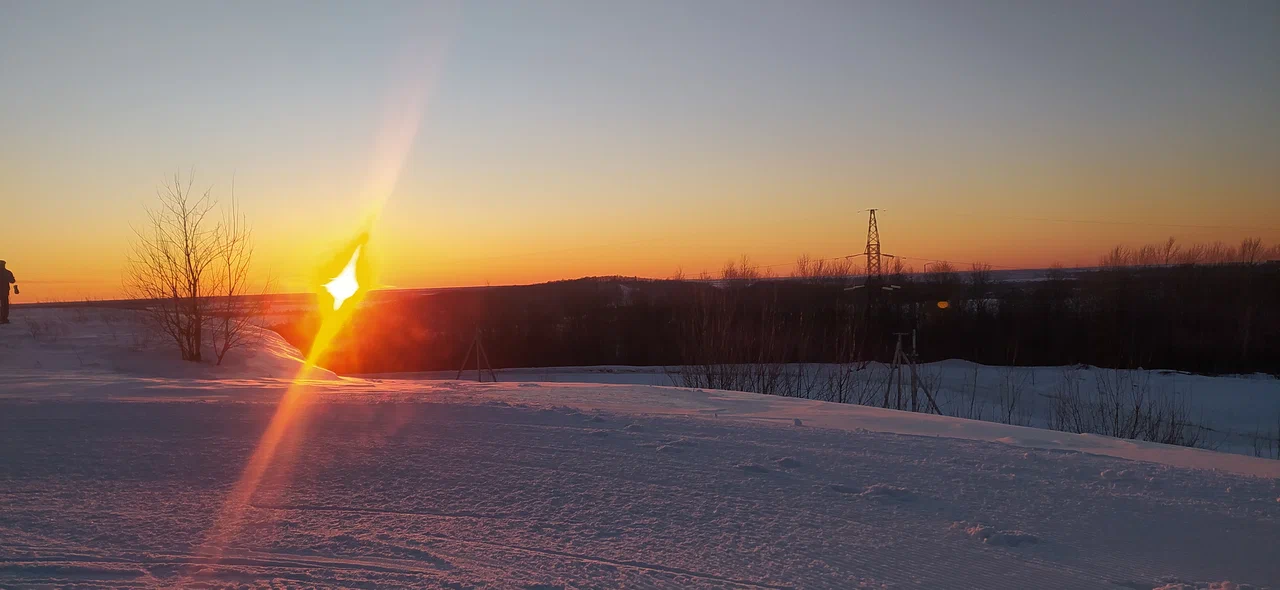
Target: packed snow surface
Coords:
[(113, 476)]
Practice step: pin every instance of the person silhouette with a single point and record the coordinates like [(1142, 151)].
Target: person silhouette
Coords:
[(6, 278)]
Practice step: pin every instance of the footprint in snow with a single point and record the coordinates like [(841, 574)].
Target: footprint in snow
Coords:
[(887, 493), (1116, 475), (993, 536), (674, 446)]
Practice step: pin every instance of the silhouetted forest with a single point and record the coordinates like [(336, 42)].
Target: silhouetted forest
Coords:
[(1219, 318)]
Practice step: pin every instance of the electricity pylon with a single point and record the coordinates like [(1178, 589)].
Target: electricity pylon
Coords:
[(873, 246)]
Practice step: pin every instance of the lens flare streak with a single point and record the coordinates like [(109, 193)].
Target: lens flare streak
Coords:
[(402, 118)]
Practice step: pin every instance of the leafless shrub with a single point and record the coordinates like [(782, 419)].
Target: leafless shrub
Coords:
[(864, 391), (142, 334), (845, 383), (962, 403), (111, 321), (1266, 442), (36, 329), (850, 383), (47, 331), (1010, 397), (766, 378), (1124, 404), (736, 337), (930, 381)]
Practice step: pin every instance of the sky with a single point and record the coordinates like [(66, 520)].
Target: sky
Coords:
[(516, 142)]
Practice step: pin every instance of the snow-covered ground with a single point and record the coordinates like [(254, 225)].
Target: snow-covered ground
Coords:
[(1236, 414), (115, 467)]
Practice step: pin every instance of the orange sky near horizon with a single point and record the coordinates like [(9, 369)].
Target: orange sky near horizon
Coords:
[(512, 143), (446, 256)]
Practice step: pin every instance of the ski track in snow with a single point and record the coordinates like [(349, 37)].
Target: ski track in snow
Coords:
[(114, 478)]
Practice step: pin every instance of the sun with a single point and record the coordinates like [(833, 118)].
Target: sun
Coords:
[(343, 286)]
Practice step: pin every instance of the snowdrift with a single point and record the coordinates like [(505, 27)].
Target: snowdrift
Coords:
[(116, 340)]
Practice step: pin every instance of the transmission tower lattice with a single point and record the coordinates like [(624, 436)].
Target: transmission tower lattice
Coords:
[(873, 246)]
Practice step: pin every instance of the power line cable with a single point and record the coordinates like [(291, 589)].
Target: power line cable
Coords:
[(1112, 222)]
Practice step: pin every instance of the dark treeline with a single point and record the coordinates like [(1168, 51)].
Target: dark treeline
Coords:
[(1207, 319), (1200, 318)]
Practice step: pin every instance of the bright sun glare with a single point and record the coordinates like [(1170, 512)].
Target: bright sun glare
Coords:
[(343, 286)]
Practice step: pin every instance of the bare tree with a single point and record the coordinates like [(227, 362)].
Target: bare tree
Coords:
[(898, 270), (191, 266), (1169, 252), (980, 276), (1118, 257), (741, 270), (940, 272), (822, 269), (1219, 253), (234, 314), (1147, 255), (1251, 251), (1056, 272), (1194, 254)]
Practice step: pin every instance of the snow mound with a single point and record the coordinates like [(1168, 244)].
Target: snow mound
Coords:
[(116, 340), (788, 463)]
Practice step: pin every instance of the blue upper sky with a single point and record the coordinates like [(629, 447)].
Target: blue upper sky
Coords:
[(640, 136)]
